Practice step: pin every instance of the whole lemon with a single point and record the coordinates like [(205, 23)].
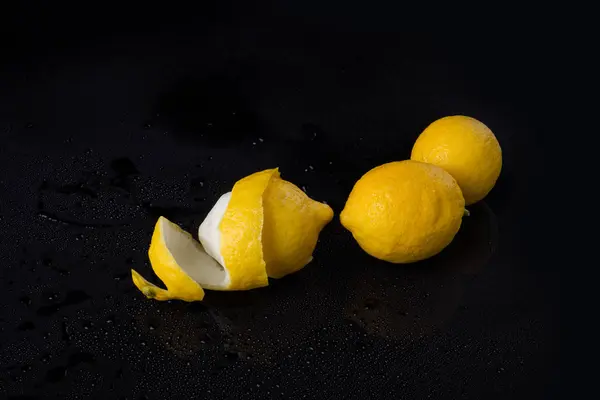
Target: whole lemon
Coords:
[(464, 147), (404, 211)]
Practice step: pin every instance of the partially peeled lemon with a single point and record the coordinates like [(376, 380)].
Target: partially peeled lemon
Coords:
[(265, 227)]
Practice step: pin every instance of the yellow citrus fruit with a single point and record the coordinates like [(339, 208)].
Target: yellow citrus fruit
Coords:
[(265, 227), (404, 211), (291, 228), (467, 149), (279, 227)]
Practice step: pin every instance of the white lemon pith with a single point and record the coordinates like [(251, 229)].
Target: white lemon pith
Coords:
[(175, 257), (209, 233), (265, 227)]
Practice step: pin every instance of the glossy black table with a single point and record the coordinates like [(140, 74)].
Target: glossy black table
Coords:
[(107, 124)]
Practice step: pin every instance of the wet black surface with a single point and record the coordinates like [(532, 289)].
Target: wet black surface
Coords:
[(104, 131)]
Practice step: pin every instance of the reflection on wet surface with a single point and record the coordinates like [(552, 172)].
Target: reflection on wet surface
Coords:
[(409, 301)]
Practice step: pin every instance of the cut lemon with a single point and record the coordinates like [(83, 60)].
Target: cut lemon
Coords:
[(265, 227)]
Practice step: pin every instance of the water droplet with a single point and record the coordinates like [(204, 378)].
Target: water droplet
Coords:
[(253, 143)]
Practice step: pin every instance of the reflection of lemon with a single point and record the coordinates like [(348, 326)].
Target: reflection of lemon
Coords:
[(467, 149), (404, 211), (265, 227)]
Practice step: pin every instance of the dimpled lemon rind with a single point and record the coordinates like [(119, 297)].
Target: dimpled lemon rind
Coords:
[(403, 212)]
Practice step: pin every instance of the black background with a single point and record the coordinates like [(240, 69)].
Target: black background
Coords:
[(112, 117)]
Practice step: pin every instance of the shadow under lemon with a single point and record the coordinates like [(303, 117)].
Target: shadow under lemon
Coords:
[(407, 302)]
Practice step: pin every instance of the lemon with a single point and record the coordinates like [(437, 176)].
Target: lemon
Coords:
[(404, 211), (467, 149), (265, 227), (286, 226), (291, 228)]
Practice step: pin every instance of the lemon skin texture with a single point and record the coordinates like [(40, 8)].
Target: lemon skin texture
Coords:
[(291, 228), (405, 211), (467, 149)]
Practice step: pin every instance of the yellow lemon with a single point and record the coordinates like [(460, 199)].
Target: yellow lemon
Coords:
[(467, 149), (291, 228), (404, 211), (265, 227)]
